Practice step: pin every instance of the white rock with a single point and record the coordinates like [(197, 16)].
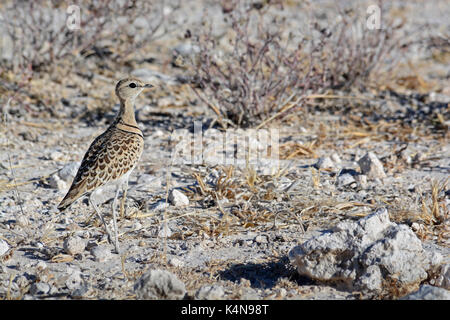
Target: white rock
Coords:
[(74, 281), (175, 262), (362, 180), (371, 166), (281, 293), (427, 292), (416, 226), (443, 279), (178, 199), (141, 23), (39, 288), (55, 155), (345, 180), (41, 265), (56, 183), (101, 253), (336, 159), (159, 284), (261, 239), (210, 292), (164, 231), (324, 163), (249, 294), (22, 221), (68, 172), (159, 206), (365, 254), (74, 245), (186, 49), (4, 247)]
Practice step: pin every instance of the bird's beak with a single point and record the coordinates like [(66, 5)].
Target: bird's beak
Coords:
[(148, 85)]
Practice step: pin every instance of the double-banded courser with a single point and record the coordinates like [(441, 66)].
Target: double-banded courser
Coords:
[(112, 156)]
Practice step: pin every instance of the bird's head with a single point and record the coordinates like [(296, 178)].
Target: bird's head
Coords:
[(130, 88)]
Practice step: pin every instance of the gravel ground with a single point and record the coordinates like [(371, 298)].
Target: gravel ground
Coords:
[(227, 234)]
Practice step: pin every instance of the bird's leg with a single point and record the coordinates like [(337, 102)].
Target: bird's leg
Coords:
[(124, 196), (116, 241), (101, 217)]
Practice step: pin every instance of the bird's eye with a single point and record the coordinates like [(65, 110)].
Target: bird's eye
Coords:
[(132, 85)]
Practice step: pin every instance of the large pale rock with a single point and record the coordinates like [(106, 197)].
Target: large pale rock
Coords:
[(159, 284), (367, 255)]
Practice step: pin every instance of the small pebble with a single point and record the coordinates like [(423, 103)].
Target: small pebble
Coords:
[(164, 231), (335, 157), (159, 206), (74, 245), (175, 262), (178, 199), (101, 253), (74, 281), (324, 163), (362, 180), (345, 179), (38, 288), (41, 265), (56, 183), (22, 221), (4, 247), (68, 172), (261, 239), (371, 166), (159, 284), (443, 279), (55, 155), (210, 292)]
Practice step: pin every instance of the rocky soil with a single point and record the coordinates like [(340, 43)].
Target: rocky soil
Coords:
[(354, 206)]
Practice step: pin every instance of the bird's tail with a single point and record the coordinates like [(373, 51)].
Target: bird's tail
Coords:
[(65, 203)]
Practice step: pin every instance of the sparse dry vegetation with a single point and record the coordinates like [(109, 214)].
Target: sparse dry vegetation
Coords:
[(331, 86), (39, 30), (260, 69)]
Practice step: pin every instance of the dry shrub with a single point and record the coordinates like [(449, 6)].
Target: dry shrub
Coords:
[(254, 75), (40, 35), (261, 68)]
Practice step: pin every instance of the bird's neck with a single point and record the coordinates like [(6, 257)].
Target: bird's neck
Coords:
[(125, 120), (126, 113)]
